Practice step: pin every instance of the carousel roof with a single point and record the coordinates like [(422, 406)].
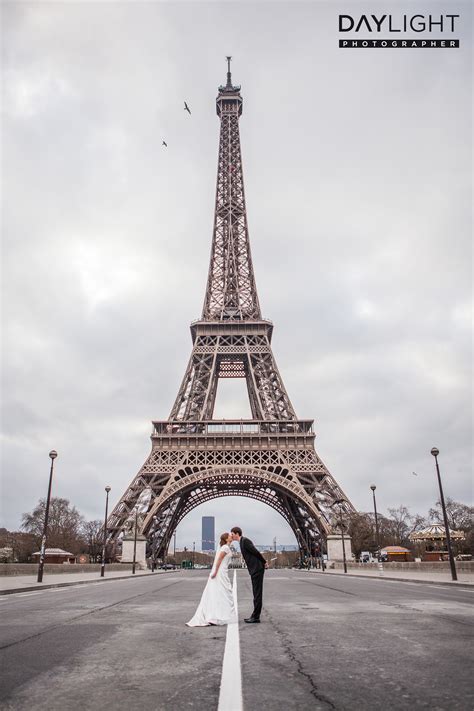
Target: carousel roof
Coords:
[(395, 549), (435, 532), (55, 551)]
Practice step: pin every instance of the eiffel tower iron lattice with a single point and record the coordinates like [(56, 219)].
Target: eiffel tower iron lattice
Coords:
[(195, 458)]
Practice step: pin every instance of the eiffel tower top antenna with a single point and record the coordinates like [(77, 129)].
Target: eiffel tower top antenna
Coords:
[(231, 293), (231, 339)]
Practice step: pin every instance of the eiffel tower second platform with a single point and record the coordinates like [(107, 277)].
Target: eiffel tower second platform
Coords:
[(194, 457)]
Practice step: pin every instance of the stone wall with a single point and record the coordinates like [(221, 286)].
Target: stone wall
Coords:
[(199, 558), (32, 568), (465, 566)]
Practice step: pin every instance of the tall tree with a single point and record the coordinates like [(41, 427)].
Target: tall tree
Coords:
[(362, 533), (460, 516), (92, 532), (64, 524), (400, 523), (22, 545), (417, 522)]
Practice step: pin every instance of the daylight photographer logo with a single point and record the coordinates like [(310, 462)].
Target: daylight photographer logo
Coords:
[(398, 31)]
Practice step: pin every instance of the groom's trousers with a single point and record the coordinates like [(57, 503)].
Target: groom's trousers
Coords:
[(257, 586)]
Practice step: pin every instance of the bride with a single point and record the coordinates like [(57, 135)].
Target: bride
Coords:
[(217, 601)]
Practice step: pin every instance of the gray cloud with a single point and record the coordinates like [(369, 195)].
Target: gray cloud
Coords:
[(358, 184)]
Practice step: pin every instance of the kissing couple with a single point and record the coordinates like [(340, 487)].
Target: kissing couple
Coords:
[(217, 602)]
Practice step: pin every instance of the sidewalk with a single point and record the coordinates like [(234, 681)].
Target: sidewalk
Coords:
[(24, 583), (429, 576)]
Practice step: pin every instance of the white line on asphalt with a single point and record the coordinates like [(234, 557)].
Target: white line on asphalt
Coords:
[(26, 594), (455, 587), (230, 696)]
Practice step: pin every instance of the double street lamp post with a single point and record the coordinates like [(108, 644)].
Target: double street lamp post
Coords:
[(341, 524), (134, 564), (321, 553), (194, 549), (300, 541), (435, 452), (373, 487), (104, 544), (53, 454), (153, 546), (343, 542), (309, 543)]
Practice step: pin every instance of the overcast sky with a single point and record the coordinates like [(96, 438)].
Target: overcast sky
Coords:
[(357, 167)]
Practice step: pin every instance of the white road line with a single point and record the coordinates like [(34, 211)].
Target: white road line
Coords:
[(455, 587), (230, 696)]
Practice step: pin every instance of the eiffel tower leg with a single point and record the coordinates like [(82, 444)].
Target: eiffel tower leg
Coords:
[(171, 525)]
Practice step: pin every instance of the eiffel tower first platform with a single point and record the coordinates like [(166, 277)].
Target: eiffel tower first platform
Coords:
[(195, 458)]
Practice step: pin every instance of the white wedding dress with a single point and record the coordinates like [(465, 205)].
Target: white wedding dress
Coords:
[(217, 601)]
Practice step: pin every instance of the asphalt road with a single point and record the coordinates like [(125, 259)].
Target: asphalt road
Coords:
[(325, 642)]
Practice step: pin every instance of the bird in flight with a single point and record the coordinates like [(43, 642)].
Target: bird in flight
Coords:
[(186, 108), (164, 144), (415, 473)]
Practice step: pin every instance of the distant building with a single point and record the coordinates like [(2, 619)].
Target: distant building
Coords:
[(56, 555), (237, 560), (208, 534)]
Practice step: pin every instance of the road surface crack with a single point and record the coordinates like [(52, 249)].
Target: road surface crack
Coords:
[(291, 654), (327, 587)]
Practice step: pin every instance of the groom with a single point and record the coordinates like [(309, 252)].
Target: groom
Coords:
[(256, 565)]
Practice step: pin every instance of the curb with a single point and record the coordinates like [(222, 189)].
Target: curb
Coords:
[(83, 582), (452, 583)]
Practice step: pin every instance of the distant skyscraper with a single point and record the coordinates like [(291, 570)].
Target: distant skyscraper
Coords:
[(208, 533)]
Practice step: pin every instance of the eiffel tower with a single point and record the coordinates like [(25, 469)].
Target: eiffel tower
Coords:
[(195, 458)]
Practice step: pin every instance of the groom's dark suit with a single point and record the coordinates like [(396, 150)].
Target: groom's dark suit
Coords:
[(256, 566)]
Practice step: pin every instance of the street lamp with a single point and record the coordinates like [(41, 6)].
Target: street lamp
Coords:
[(341, 523), (135, 542), (174, 547), (435, 452), (194, 548), (299, 540), (321, 553), (102, 567), (53, 454), (373, 487), (308, 546), (153, 545)]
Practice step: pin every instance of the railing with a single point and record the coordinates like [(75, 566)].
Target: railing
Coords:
[(262, 319), (236, 427)]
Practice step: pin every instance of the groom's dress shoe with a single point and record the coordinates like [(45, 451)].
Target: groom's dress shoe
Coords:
[(251, 619)]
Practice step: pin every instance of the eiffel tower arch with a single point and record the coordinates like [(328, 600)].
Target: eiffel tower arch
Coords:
[(195, 458)]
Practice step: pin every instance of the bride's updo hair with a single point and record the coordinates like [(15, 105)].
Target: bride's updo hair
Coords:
[(224, 537)]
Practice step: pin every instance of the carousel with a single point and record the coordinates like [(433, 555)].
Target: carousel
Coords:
[(432, 541)]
